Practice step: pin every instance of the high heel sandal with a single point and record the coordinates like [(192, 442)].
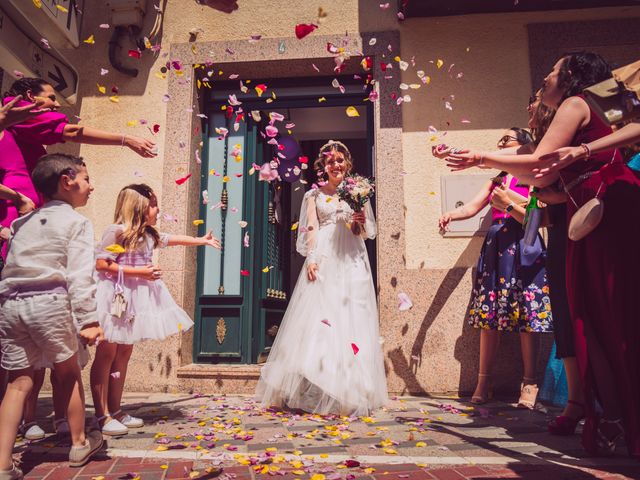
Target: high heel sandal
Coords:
[(480, 399), (607, 446), (565, 425), (528, 394)]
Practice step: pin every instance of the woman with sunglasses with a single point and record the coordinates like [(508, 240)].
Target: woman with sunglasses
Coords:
[(510, 291)]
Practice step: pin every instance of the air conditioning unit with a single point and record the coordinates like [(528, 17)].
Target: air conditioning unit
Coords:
[(127, 12)]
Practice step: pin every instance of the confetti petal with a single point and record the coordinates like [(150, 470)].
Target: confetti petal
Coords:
[(352, 112), (355, 348), (405, 302), (115, 248), (304, 29), (182, 180)]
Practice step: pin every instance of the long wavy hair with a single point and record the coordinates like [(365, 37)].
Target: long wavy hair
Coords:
[(580, 70), (132, 207), (327, 150), (543, 117)]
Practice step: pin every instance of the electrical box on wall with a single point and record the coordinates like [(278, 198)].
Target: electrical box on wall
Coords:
[(457, 190), (127, 12)]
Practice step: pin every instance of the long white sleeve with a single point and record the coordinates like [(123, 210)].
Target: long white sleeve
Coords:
[(308, 227)]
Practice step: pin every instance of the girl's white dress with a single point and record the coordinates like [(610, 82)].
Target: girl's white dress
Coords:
[(327, 356), (151, 313)]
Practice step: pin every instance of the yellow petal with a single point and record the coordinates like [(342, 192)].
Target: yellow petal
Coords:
[(225, 179), (265, 270), (37, 3), (161, 448), (298, 472), (132, 123), (352, 112), (318, 476), (115, 248), (324, 455), (421, 444), (439, 63), (164, 467), (114, 99), (89, 40), (101, 88), (62, 9), (294, 226), (322, 99), (194, 474)]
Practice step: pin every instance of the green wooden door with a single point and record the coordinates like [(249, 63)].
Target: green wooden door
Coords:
[(242, 290)]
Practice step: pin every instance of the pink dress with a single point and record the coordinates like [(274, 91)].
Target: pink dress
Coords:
[(21, 146), (151, 313)]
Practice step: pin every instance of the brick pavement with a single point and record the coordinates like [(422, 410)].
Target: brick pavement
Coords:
[(193, 436)]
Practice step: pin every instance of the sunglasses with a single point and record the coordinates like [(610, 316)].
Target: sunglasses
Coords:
[(506, 139)]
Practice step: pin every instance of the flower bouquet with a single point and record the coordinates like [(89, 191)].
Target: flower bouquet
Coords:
[(356, 191)]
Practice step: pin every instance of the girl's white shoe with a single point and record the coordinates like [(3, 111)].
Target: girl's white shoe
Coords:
[(129, 421), (31, 431), (112, 427)]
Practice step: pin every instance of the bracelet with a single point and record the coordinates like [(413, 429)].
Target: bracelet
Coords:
[(481, 162), (587, 150), (123, 138)]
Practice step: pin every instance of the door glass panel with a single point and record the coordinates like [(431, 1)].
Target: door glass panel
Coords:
[(223, 268)]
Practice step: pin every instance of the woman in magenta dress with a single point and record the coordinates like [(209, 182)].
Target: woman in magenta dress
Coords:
[(602, 268)]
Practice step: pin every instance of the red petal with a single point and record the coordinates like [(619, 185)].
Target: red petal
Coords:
[(244, 273), (180, 181), (304, 29), (156, 128), (134, 54), (303, 159), (355, 348)]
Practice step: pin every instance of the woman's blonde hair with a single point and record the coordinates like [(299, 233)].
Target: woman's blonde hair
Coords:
[(332, 146), (132, 207)]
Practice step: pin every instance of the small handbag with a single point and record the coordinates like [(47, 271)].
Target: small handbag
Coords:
[(119, 302), (588, 216)]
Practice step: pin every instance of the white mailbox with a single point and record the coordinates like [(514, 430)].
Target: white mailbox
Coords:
[(457, 190)]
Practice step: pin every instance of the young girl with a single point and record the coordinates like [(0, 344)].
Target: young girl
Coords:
[(148, 312), (327, 356)]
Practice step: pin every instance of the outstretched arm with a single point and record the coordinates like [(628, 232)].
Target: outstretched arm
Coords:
[(188, 241), (469, 209), (563, 157), (570, 117), (93, 136)]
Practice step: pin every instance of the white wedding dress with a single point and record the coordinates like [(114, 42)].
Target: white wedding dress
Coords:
[(327, 356)]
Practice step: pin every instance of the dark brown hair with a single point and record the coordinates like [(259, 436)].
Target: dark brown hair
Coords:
[(46, 175), (326, 151)]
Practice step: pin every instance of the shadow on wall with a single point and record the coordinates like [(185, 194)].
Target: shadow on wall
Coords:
[(407, 368)]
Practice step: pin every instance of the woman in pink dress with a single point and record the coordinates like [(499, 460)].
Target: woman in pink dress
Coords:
[(21, 145), (602, 267)]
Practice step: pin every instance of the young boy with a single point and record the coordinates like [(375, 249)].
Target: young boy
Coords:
[(47, 285)]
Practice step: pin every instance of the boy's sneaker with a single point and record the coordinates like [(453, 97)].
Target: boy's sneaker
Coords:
[(14, 474), (31, 431), (79, 456), (61, 426)]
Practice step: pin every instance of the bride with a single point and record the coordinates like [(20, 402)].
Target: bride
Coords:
[(327, 357)]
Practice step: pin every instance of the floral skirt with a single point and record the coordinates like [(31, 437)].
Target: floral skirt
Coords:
[(511, 291)]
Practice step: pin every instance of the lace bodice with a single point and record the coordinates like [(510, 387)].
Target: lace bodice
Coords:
[(331, 209), (318, 213)]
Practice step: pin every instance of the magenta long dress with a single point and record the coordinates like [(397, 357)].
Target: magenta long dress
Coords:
[(20, 148), (602, 282)]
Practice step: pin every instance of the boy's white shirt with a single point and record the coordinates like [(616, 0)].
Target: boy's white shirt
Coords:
[(52, 247)]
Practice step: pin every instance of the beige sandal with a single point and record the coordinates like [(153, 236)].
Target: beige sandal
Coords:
[(528, 394), (479, 399)]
